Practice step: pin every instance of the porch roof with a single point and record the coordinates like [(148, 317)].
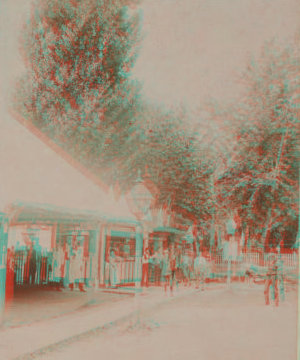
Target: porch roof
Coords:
[(168, 230), (31, 211)]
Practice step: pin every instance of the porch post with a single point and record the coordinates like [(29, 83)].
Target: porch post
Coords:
[(3, 258), (138, 256), (96, 258), (101, 253)]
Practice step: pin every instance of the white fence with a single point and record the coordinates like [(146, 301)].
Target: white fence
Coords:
[(219, 263)]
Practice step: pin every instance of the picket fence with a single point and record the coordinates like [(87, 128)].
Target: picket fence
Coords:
[(219, 263)]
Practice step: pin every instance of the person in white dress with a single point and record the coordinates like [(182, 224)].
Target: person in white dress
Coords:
[(80, 267), (201, 270), (76, 269), (58, 259), (112, 269)]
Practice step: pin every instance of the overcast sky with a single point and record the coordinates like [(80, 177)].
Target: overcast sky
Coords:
[(192, 49)]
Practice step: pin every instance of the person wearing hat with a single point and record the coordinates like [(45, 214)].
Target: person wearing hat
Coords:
[(112, 269), (166, 271), (201, 269), (271, 280), (145, 268), (158, 258), (173, 266)]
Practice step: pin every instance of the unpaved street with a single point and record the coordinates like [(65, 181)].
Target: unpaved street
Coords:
[(218, 324)]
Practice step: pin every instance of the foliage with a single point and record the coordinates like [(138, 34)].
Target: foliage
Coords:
[(77, 88), (78, 91), (263, 179), (165, 143)]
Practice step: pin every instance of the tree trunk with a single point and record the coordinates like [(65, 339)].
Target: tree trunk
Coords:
[(271, 209)]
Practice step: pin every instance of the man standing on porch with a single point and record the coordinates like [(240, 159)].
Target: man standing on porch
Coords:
[(145, 268), (112, 269)]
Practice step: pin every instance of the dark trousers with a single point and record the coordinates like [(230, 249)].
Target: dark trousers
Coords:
[(32, 272), (173, 278), (271, 281)]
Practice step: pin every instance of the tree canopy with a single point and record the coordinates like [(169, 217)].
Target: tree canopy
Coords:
[(77, 88), (262, 180), (79, 91)]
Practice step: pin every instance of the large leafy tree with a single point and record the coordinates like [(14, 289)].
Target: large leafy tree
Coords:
[(263, 178), (78, 91), (164, 141), (77, 88)]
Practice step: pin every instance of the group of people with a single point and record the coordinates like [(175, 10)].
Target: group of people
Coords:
[(183, 266), (33, 255), (175, 265), (65, 265), (69, 264)]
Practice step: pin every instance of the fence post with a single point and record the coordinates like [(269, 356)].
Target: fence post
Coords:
[(3, 252)]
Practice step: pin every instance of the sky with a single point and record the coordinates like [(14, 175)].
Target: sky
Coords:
[(192, 50), (195, 49)]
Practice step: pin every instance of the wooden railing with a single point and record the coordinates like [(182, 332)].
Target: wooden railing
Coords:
[(22, 267), (125, 271)]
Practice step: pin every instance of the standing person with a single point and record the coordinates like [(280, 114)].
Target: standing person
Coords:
[(145, 268), (281, 280), (67, 257), (80, 267), (72, 266), (173, 268), (57, 266), (151, 265), (32, 264), (38, 250), (208, 266), (158, 258), (197, 270), (191, 266), (204, 270), (177, 266), (112, 269), (271, 281), (166, 270), (75, 269), (200, 267), (119, 258), (185, 267)]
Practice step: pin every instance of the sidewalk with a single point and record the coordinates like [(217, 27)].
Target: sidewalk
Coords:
[(38, 304), (28, 339)]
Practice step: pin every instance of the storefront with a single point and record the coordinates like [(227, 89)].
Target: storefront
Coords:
[(75, 242), (160, 239), (69, 247), (120, 255)]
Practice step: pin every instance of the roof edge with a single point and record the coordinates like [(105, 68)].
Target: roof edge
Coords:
[(58, 150)]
